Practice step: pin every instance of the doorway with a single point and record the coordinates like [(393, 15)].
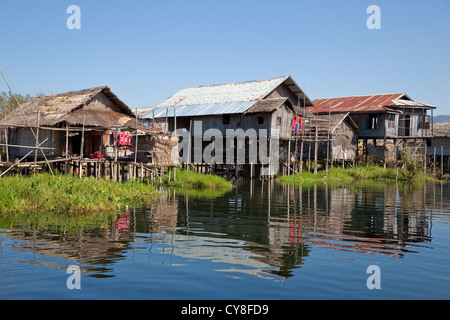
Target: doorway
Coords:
[(407, 126)]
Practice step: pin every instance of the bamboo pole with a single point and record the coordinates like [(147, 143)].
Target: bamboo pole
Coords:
[(174, 120), (81, 148), (316, 150), (21, 109), (67, 140), (303, 129), (17, 163), (424, 156), (188, 160), (37, 140), (289, 158), (136, 141), (28, 147), (328, 140), (6, 139), (434, 161)]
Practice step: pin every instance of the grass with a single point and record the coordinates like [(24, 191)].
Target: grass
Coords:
[(65, 194), (359, 173), (188, 179)]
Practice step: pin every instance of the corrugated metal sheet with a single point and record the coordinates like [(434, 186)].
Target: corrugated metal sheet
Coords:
[(142, 111), (228, 98), (372, 103), (200, 109), (409, 103), (223, 93)]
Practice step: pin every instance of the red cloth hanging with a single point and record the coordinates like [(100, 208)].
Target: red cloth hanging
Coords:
[(96, 155), (297, 124)]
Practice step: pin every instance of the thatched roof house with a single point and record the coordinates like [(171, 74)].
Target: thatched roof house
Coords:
[(94, 117), (440, 140), (99, 106), (343, 137)]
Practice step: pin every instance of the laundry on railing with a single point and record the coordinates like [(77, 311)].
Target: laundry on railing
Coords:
[(96, 155), (124, 139)]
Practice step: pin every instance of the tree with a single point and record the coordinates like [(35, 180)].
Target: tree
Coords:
[(8, 103)]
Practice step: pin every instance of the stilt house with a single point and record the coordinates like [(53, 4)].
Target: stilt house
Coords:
[(88, 123), (268, 107), (386, 122)]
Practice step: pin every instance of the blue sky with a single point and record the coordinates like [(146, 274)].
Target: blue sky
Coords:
[(147, 50)]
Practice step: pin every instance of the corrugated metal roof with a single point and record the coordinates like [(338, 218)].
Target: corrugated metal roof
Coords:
[(403, 102), (370, 103), (200, 109), (223, 93), (222, 98), (142, 111)]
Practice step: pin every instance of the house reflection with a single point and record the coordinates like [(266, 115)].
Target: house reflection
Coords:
[(259, 228)]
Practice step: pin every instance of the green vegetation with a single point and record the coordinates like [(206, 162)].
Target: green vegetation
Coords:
[(8, 102), (64, 194), (411, 172), (359, 173), (188, 179)]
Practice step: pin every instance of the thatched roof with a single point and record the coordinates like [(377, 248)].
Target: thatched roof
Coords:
[(333, 120), (441, 130), (68, 108), (272, 104), (267, 105)]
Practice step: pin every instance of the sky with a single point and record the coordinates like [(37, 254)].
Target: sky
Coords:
[(145, 51)]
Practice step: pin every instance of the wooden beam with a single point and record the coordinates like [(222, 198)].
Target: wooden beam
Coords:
[(17, 163)]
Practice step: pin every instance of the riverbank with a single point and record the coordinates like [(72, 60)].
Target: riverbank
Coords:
[(65, 194), (359, 173)]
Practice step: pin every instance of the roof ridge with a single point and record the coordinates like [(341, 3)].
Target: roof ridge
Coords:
[(239, 82), (73, 91), (364, 95)]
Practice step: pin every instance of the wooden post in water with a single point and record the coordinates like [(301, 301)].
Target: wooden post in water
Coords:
[(434, 161), (66, 166), (188, 160), (301, 154), (37, 142), (6, 140), (81, 148), (289, 158), (309, 157), (424, 156), (316, 150), (136, 142)]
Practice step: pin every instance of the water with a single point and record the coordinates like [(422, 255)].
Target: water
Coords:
[(259, 241)]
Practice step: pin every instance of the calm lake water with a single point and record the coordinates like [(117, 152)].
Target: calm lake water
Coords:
[(259, 241)]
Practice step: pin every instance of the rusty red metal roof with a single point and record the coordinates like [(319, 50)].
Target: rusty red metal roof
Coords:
[(370, 103)]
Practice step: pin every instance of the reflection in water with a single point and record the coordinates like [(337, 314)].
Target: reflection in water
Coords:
[(259, 228)]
